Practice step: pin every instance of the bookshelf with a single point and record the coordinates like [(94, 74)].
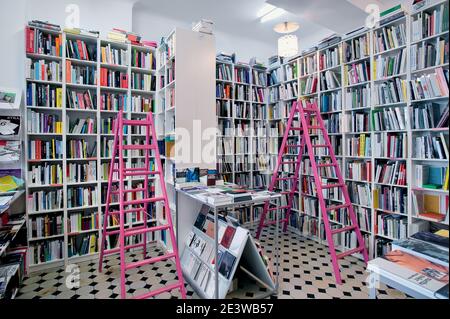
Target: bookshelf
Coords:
[(185, 88), (241, 108), (359, 111), (94, 79)]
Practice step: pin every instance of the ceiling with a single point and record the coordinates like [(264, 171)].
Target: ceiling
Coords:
[(317, 18)]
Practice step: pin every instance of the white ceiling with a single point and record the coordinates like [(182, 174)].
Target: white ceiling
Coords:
[(317, 18)]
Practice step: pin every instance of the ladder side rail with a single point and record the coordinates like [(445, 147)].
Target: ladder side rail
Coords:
[(122, 213)]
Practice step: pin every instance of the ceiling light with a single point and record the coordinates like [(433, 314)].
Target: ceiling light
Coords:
[(286, 27)]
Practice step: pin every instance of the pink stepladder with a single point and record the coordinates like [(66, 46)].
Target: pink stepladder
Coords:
[(128, 206), (308, 118)]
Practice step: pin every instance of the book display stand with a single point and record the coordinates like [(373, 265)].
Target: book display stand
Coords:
[(207, 239)]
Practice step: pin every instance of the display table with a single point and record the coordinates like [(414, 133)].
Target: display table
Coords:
[(192, 200)]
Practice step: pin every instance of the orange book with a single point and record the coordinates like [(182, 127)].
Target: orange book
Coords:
[(68, 72), (58, 46)]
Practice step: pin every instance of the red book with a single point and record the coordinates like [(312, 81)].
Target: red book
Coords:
[(228, 237), (80, 49), (29, 33), (124, 81)]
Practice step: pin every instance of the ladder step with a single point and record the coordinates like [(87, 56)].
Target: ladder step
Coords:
[(309, 110), (144, 201), (138, 147), (138, 231), (315, 127), (329, 186), (273, 222), (277, 208), (117, 232), (320, 146), (349, 252), (296, 129), (326, 165), (136, 122), (159, 291), (342, 230), (293, 145), (128, 211), (337, 207), (126, 191), (143, 173), (149, 261), (116, 250)]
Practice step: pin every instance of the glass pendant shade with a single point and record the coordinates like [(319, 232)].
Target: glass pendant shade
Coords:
[(288, 46)]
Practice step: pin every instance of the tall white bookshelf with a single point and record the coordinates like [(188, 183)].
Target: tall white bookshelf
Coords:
[(135, 100), (186, 86), (308, 224)]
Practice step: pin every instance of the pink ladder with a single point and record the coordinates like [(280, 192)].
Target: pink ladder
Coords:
[(129, 205), (310, 119)]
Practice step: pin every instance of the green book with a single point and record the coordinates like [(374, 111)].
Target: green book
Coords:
[(388, 11), (432, 186)]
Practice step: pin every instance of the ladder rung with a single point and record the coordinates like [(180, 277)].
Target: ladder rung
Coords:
[(136, 122), (329, 186), (142, 173), (144, 201), (309, 110), (138, 231), (126, 191), (296, 129), (349, 252), (337, 207), (319, 145), (342, 230), (116, 250), (273, 222), (149, 261), (128, 211), (277, 208), (293, 145), (117, 232), (159, 291), (138, 147), (314, 127), (326, 165)]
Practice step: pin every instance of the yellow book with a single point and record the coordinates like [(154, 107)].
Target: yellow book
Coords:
[(151, 60), (103, 55), (59, 98), (391, 41), (374, 75), (375, 198), (53, 148), (442, 232), (445, 187), (7, 184), (441, 49), (362, 145), (431, 203), (346, 75), (404, 89)]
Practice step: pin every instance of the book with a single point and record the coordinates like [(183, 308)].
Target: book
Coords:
[(228, 237), (226, 264), (423, 249)]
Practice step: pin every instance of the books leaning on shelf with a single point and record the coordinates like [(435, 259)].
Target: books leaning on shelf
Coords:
[(86, 75), (112, 56), (81, 50), (45, 174), (386, 66), (431, 177), (357, 73), (428, 206), (429, 115), (390, 119), (356, 48), (81, 100), (392, 226), (430, 86), (431, 147), (429, 24), (391, 91), (41, 95), (41, 42), (113, 79), (43, 123), (81, 173), (46, 200), (44, 150), (82, 126), (47, 251), (429, 54), (43, 70), (46, 226), (391, 173), (82, 245), (392, 200), (78, 197), (390, 145), (390, 37)]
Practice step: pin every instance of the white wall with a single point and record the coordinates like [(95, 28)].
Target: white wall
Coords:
[(100, 15), (152, 27)]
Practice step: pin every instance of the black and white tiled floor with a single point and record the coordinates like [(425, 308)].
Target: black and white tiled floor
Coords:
[(305, 273)]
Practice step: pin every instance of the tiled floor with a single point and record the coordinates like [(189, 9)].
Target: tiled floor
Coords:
[(305, 272)]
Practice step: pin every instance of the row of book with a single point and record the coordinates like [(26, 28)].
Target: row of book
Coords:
[(358, 122), (39, 42), (42, 70), (360, 193), (288, 91), (241, 75), (223, 72), (291, 72), (329, 81), (357, 97), (331, 102), (45, 174), (82, 172), (242, 92), (390, 119), (224, 91), (81, 50), (143, 60), (390, 145), (430, 86), (140, 104), (44, 95), (428, 24), (429, 54), (309, 86), (144, 82), (430, 115), (392, 226), (359, 146), (389, 38), (82, 126), (359, 171), (113, 102), (356, 49), (259, 77), (86, 75), (308, 65), (43, 123), (431, 147), (113, 56), (357, 73), (81, 196), (81, 100), (42, 201), (46, 226), (329, 58), (44, 150), (431, 177), (43, 252), (391, 173), (113, 79), (391, 65), (82, 245), (389, 92), (390, 199)]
